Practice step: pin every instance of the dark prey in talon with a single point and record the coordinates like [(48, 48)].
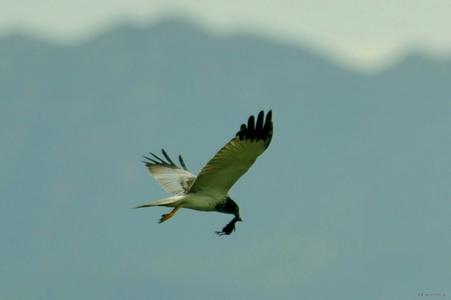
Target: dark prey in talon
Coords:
[(229, 228), (209, 190)]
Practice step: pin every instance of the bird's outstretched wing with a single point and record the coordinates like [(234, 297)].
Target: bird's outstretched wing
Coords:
[(172, 178), (236, 157)]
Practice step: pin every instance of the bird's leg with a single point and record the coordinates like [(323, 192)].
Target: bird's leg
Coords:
[(169, 215)]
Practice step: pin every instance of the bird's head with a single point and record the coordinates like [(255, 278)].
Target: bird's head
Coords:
[(229, 207)]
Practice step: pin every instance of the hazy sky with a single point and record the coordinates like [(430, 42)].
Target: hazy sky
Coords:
[(350, 201), (359, 32)]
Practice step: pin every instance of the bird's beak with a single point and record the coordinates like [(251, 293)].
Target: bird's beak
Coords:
[(238, 219)]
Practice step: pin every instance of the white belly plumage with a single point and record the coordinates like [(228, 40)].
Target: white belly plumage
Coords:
[(201, 202)]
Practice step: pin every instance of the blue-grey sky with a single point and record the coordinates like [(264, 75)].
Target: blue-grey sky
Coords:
[(350, 200), (361, 33)]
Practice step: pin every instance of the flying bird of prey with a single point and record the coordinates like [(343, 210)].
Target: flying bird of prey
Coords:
[(208, 191)]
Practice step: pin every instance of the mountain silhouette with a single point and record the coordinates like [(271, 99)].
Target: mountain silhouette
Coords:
[(351, 199)]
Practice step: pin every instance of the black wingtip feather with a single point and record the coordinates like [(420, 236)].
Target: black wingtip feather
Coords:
[(260, 130), (251, 126), (260, 118), (182, 163), (150, 161), (269, 116), (167, 157), (156, 160)]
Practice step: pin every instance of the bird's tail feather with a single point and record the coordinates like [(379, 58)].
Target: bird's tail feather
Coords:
[(170, 201)]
